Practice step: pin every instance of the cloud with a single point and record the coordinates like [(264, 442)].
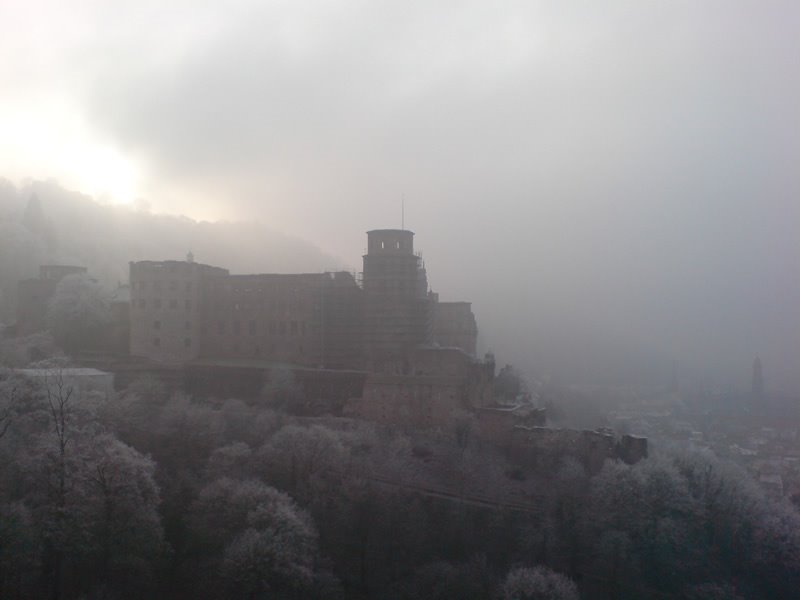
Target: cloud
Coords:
[(619, 175)]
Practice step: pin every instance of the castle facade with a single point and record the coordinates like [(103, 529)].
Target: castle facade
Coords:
[(182, 311)]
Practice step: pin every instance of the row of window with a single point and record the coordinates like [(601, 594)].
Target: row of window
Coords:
[(157, 303), (187, 342), (275, 327), (186, 325), (292, 328), (271, 305), (158, 285), (235, 349)]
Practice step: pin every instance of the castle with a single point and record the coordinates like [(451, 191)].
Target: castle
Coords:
[(417, 354), (380, 346)]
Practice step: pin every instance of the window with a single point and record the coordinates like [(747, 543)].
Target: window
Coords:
[(294, 327), (283, 327), (157, 303), (188, 305), (156, 324), (156, 341), (252, 327), (187, 325), (187, 342), (236, 327), (221, 327)]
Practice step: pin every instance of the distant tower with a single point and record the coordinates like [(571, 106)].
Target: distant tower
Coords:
[(398, 309), (758, 378)]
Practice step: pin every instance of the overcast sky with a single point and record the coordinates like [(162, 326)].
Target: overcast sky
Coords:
[(614, 184)]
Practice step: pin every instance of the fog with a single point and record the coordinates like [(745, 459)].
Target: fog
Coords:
[(614, 186)]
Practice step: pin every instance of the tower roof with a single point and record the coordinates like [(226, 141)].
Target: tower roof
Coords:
[(407, 231)]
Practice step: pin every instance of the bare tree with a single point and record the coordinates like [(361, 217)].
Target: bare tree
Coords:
[(59, 394), (9, 396)]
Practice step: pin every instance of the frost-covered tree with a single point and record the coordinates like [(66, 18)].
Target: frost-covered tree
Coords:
[(9, 399), (283, 392), (640, 519), (19, 552), (22, 351), (296, 456), (92, 500), (233, 460), (257, 541), (122, 499), (443, 580), (537, 583)]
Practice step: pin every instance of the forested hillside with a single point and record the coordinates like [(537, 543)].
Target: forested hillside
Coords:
[(155, 495)]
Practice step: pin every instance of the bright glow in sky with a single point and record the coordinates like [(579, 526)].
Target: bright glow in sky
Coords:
[(53, 141)]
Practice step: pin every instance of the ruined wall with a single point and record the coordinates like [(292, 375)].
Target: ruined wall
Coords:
[(545, 448), (495, 422), (454, 326), (424, 388), (417, 401)]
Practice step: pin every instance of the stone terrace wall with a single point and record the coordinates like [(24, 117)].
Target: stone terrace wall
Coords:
[(545, 448)]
